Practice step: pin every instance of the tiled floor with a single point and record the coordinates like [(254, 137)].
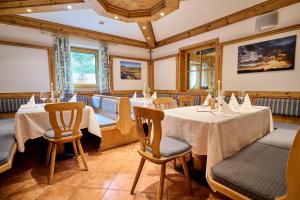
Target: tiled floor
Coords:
[(110, 177)]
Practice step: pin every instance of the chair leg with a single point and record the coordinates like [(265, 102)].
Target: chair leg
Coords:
[(161, 182), (52, 164), (48, 153), (138, 173), (82, 154), (75, 148), (186, 174)]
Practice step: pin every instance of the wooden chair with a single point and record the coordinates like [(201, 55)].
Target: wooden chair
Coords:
[(164, 103), (62, 133), (186, 99), (157, 149)]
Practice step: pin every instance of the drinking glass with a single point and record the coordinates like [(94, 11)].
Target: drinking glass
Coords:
[(43, 96)]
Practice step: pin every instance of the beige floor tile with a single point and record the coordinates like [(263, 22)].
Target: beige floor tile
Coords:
[(58, 192), (112, 166), (148, 196), (76, 178), (176, 197), (150, 184), (130, 167), (87, 194), (118, 195), (122, 182), (99, 180)]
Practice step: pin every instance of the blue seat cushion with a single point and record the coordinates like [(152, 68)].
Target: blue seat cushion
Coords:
[(257, 171), (96, 102), (281, 138), (50, 134), (110, 108), (104, 121), (286, 125), (7, 139), (170, 147)]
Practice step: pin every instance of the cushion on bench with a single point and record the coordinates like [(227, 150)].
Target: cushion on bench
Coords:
[(110, 108), (96, 102), (7, 139), (11, 105), (286, 107), (286, 125), (281, 138), (170, 146), (257, 171), (104, 121)]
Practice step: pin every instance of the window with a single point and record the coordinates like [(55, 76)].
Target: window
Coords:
[(84, 65), (201, 69)]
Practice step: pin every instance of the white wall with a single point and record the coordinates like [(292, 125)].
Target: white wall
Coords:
[(165, 74), (268, 81), (288, 80), (23, 69), (121, 84)]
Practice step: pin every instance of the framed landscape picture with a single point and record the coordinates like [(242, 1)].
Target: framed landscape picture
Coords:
[(131, 70), (272, 55)]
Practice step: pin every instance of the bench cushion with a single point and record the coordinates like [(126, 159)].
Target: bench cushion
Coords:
[(96, 102), (104, 121), (281, 138), (110, 108), (286, 107), (286, 125), (11, 105), (7, 139), (257, 171), (170, 147)]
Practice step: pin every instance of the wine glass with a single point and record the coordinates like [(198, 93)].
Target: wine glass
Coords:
[(43, 96)]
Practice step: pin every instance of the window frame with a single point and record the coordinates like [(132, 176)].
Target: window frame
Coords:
[(88, 51)]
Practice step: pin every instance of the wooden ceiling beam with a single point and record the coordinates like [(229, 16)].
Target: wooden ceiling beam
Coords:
[(147, 30), (69, 30), (259, 9), (20, 6)]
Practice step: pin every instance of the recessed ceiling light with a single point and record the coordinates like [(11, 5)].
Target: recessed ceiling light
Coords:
[(144, 27), (29, 10), (116, 17), (148, 38), (162, 14), (70, 7)]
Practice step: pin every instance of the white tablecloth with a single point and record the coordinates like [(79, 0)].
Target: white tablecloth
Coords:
[(32, 123), (217, 135)]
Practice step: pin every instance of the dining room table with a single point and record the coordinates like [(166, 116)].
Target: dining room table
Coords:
[(146, 102), (214, 133), (32, 122)]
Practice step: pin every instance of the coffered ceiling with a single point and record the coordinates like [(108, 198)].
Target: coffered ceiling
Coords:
[(153, 22)]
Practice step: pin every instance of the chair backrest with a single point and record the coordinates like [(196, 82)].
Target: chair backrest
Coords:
[(151, 139), (164, 103), (57, 120), (293, 171), (186, 100)]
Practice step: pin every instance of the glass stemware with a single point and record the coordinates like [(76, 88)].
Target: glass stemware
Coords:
[(43, 96)]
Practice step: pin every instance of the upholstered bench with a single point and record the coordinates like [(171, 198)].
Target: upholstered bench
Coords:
[(12, 105), (109, 110), (259, 170), (7, 143)]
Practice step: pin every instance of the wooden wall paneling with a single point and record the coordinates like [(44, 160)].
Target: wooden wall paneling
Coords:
[(147, 30), (247, 13), (177, 72), (51, 62), (151, 74), (69, 30), (13, 7)]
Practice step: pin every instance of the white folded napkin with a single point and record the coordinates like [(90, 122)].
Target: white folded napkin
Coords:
[(134, 95), (31, 102), (226, 108), (207, 99), (74, 98), (154, 95), (247, 102), (233, 101)]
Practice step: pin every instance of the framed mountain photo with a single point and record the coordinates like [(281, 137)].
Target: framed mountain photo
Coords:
[(272, 55)]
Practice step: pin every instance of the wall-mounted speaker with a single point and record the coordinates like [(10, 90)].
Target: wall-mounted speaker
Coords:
[(267, 21)]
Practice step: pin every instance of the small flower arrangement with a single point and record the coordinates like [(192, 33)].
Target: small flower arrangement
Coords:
[(212, 91)]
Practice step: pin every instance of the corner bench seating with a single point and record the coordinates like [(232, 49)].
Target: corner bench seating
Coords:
[(8, 145), (115, 122), (259, 171)]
